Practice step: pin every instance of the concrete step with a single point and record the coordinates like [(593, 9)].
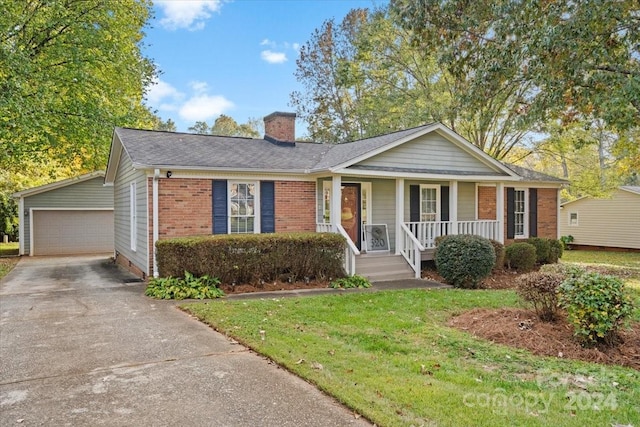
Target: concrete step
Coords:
[(378, 268)]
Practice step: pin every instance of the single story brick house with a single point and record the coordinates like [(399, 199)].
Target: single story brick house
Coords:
[(608, 223), (389, 195)]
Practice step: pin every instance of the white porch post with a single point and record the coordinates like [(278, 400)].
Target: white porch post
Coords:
[(500, 210), (399, 213), (336, 202), (453, 205), (155, 219)]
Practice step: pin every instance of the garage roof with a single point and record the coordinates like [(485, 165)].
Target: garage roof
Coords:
[(58, 184)]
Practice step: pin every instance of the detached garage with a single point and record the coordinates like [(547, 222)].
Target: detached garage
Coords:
[(69, 217)]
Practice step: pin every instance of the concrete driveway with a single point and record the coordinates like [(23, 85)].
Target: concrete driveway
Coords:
[(81, 345)]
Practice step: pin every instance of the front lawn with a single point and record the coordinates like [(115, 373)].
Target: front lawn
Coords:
[(623, 264), (391, 357), (9, 249)]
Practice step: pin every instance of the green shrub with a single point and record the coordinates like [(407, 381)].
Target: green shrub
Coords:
[(498, 248), (556, 251), (464, 260), (566, 241), (252, 258), (542, 248), (354, 281), (439, 240), (181, 288), (521, 256), (597, 306), (540, 290)]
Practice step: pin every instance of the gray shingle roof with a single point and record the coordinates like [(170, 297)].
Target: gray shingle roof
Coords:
[(153, 148), (531, 175), (148, 148)]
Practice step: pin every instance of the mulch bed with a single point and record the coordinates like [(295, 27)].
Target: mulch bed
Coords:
[(273, 286), (521, 328)]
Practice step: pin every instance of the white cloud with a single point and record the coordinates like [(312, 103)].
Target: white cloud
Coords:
[(273, 57), (296, 46), (267, 42), (189, 14), (199, 87), (204, 107), (162, 95)]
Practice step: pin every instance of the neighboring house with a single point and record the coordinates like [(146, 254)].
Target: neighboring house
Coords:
[(74, 216), (610, 223), (420, 183)]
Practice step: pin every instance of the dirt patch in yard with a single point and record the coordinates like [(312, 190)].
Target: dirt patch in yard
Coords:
[(521, 328), (499, 279)]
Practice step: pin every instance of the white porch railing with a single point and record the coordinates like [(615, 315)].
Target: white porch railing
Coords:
[(411, 250), (426, 232), (350, 250)]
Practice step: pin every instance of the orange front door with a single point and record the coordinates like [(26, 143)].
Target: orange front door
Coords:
[(350, 212)]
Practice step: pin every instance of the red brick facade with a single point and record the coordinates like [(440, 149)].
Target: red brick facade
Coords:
[(486, 202), (184, 207), (548, 213), (295, 206), (547, 210), (281, 126)]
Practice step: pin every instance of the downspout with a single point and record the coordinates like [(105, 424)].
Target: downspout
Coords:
[(156, 177), (21, 220)]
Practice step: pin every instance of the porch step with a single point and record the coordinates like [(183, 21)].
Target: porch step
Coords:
[(378, 268)]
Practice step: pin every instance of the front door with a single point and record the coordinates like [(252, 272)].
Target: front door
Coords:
[(350, 212)]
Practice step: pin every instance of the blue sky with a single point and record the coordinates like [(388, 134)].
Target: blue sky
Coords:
[(231, 57)]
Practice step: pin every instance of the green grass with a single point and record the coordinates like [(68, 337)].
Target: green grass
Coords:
[(624, 264), (7, 249), (6, 265), (621, 259), (390, 357)]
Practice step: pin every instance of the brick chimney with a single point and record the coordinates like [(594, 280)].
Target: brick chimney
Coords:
[(280, 126)]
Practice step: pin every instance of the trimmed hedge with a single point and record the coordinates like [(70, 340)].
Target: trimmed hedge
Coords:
[(252, 258), (464, 260), (521, 256), (498, 248), (543, 248)]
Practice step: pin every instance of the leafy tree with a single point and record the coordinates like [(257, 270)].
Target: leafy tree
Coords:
[(168, 126), (200, 127), (227, 126), (581, 57), (69, 72), (365, 77)]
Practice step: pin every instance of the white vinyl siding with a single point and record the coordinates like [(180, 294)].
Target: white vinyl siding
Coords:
[(466, 201), (612, 222), (432, 152), (125, 176)]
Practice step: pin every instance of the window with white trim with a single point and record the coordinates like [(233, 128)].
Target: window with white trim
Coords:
[(573, 218), (133, 216), (520, 213), (429, 203), (242, 207)]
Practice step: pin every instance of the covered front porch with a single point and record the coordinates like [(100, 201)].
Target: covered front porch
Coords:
[(403, 217)]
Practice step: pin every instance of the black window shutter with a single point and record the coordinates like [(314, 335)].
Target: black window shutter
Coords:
[(511, 215), (219, 201), (444, 203), (267, 207), (414, 203), (533, 212)]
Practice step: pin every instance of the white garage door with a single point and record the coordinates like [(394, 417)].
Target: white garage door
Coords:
[(72, 232)]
